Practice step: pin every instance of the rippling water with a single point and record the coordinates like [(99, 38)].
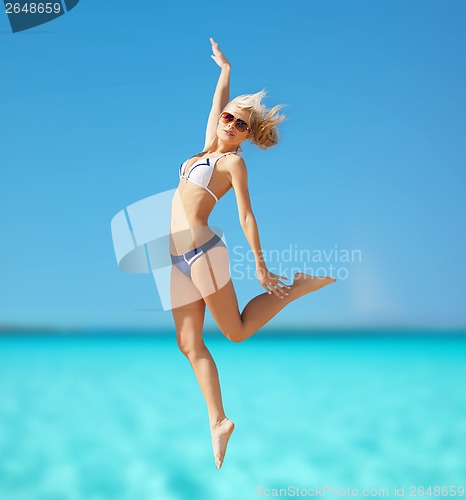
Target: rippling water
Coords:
[(123, 418)]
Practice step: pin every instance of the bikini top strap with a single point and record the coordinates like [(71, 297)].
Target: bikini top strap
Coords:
[(227, 153)]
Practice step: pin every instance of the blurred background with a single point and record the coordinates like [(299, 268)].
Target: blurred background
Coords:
[(360, 385)]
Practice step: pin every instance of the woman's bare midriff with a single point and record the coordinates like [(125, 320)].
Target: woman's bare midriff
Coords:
[(190, 211)]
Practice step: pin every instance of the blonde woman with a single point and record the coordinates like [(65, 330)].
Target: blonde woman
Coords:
[(200, 271)]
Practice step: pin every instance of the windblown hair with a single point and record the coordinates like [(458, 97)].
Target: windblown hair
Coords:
[(263, 121)]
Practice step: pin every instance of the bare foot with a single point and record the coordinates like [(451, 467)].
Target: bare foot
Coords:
[(305, 283), (221, 433)]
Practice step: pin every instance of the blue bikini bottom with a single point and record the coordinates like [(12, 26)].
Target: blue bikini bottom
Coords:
[(184, 261)]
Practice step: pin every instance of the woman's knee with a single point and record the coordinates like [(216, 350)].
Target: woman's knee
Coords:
[(190, 348), (235, 335), (235, 338)]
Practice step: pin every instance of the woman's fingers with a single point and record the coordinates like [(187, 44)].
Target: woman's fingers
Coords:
[(218, 56), (283, 292), (278, 290), (267, 289), (284, 284), (273, 284), (278, 281), (215, 48)]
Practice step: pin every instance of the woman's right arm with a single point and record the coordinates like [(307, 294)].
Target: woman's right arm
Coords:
[(221, 94)]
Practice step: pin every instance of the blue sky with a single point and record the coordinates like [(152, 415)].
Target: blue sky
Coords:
[(100, 107)]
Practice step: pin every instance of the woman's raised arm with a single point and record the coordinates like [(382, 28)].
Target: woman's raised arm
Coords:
[(221, 95)]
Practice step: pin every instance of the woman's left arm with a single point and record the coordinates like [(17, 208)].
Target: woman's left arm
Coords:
[(239, 180), (221, 95)]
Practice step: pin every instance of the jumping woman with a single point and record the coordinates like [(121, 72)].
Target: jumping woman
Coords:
[(200, 263)]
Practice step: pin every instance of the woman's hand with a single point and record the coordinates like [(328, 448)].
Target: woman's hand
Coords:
[(271, 282), (218, 56)]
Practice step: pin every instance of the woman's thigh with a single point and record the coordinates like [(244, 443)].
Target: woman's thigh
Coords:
[(183, 292), (189, 315), (211, 275), (211, 271)]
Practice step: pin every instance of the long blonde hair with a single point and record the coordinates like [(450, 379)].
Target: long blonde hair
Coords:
[(263, 121)]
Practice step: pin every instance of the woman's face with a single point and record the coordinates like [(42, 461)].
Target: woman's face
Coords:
[(227, 132)]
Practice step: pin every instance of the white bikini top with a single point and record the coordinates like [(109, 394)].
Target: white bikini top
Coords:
[(201, 171)]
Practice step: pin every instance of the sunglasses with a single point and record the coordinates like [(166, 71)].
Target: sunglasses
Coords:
[(240, 125)]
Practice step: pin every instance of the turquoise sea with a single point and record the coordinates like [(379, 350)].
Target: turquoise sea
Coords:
[(122, 417)]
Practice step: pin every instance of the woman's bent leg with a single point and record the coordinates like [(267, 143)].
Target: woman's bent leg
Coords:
[(264, 307), (223, 303)]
